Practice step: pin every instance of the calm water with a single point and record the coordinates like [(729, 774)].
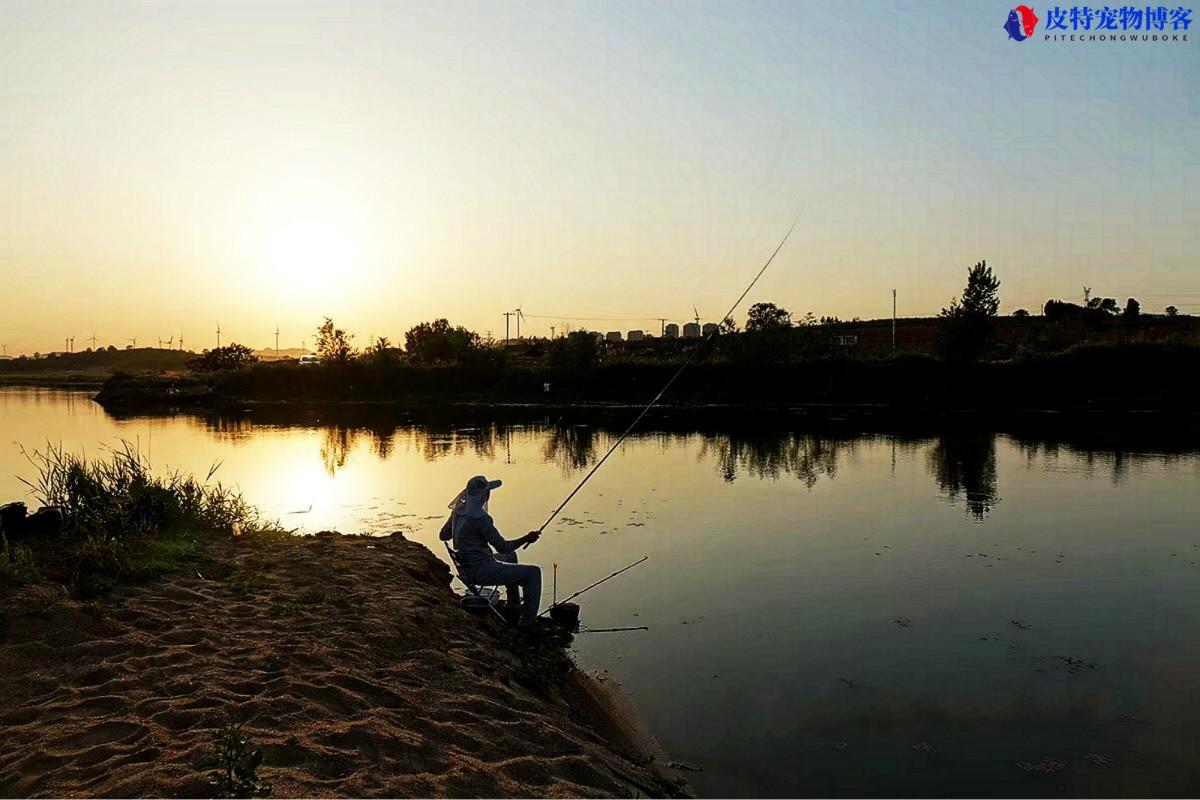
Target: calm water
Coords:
[(958, 613)]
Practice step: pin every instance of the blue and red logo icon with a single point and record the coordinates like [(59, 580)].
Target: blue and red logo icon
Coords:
[(1021, 22)]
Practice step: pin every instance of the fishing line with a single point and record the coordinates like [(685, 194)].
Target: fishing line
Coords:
[(610, 576), (695, 351)]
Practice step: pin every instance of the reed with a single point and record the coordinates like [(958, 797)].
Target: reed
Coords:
[(123, 521)]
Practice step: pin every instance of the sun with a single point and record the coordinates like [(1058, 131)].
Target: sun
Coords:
[(310, 255)]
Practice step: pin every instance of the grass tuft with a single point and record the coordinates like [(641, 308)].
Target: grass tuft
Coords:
[(122, 522)]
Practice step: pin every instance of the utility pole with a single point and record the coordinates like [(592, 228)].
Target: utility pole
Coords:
[(218, 335), (662, 327), (507, 314), (893, 319)]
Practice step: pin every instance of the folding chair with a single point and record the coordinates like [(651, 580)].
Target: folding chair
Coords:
[(477, 597)]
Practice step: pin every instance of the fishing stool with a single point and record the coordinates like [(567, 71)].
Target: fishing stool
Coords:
[(478, 599)]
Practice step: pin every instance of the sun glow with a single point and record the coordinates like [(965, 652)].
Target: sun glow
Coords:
[(304, 235), (309, 254)]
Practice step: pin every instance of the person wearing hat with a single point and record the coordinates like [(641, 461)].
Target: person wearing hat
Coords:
[(475, 537)]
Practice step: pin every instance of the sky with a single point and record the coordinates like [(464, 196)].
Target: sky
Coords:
[(168, 167)]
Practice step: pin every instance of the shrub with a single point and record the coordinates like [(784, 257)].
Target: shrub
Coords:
[(122, 521), (238, 761)]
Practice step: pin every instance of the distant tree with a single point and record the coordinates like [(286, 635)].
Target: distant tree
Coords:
[(431, 342), (578, 351), (1056, 310), (231, 356), (112, 348), (333, 344), (382, 352), (767, 317), (1133, 309), (810, 319), (1172, 311), (728, 325), (830, 320), (1020, 312), (968, 323), (1104, 305)]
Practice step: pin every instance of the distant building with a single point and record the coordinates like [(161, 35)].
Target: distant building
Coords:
[(691, 331), (671, 331), (612, 336), (709, 328), (636, 336), (845, 340)]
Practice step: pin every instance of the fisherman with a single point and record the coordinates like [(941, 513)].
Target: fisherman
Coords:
[(475, 536)]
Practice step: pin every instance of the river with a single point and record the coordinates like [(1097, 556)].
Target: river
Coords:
[(831, 612)]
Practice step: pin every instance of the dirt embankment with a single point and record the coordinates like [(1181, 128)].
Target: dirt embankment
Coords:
[(349, 661)]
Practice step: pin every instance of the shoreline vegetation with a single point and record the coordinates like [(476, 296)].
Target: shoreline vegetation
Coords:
[(1151, 377), (157, 638), (1071, 357)]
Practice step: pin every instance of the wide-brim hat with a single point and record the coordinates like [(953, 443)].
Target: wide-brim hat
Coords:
[(472, 500)]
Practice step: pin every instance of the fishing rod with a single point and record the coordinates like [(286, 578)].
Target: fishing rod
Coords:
[(594, 585), (695, 351)]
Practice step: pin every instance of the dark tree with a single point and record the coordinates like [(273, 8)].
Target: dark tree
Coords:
[(767, 317), (1172, 311), (1020, 312), (333, 344), (578, 351), (431, 342), (1133, 309), (1056, 310), (728, 325), (231, 356), (1104, 305), (968, 323)]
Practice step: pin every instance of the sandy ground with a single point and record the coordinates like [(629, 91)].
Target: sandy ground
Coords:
[(348, 659)]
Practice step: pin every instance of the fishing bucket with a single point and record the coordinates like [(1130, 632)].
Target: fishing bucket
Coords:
[(566, 614)]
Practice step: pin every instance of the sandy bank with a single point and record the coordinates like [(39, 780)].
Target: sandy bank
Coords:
[(348, 659)]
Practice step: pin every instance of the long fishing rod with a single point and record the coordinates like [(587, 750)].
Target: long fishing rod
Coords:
[(695, 351), (597, 583)]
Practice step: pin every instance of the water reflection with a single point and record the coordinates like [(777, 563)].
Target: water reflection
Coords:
[(806, 456), (963, 463)]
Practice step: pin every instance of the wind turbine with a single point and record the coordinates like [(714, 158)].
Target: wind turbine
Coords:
[(697, 313), (277, 340), (520, 316), (93, 340), (132, 341), (181, 341), (218, 334)]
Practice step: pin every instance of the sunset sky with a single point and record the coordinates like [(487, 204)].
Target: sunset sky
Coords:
[(165, 166)]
